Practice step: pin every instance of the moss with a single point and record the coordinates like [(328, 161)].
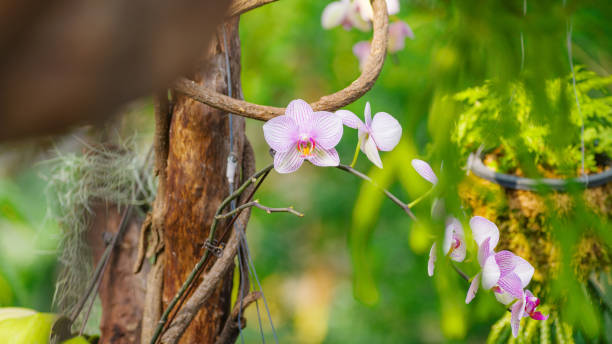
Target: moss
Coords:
[(523, 218)]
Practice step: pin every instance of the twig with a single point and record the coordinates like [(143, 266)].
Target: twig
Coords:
[(461, 273), (200, 264), (387, 193), (204, 290), (332, 102), (231, 329), (238, 7), (256, 204)]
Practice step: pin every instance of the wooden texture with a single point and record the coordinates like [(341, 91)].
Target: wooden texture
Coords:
[(331, 102), (121, 291), (196, 182)]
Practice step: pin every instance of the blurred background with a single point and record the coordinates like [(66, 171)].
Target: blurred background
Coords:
[(354, 268)]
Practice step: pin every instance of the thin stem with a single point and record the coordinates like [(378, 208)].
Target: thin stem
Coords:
[(422, 197), (356, 153), (256, 204), (391, 196), (461, 273), (196, 269)]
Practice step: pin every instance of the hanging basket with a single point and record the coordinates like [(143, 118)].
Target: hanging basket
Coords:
[(509, 181)]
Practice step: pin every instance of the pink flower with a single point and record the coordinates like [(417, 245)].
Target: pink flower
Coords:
[(504, 272), (452, 246), (398, 31), (345, 13), (525, 306), (381, 133), (362, 51), (425, 171), (367, 13), (302, 134)]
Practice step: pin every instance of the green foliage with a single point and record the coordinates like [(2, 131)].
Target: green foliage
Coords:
[(504, 116)]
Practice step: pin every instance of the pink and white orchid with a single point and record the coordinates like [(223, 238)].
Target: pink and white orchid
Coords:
[(381, 133), (367, 13), (452, 246), (525, 306), (345, 13), (425, 171), (302, 134), (504, 272), (398, 31)]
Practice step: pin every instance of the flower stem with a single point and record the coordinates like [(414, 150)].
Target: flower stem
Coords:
[(422, 197), (356, 154)]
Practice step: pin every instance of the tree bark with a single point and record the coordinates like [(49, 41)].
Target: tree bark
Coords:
[(121, 291), (196, 181)]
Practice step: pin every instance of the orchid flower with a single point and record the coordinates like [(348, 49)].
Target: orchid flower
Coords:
[(367, 13), (504, 272), (381, 133), (452, 246), (524, 307), (398, 31), (302, 134), (425, 171), (345, 13)]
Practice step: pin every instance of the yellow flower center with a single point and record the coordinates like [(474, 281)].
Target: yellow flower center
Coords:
[(306, 146)]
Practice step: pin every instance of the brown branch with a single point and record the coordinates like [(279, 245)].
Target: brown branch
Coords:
[(332, 102), (230, 331), (204, 290), (256, 204), (238, 7)]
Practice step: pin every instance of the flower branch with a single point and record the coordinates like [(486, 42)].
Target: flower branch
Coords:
[(256, 204)]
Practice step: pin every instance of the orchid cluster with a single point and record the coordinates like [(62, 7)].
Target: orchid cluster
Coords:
[(503, 272), (358, 14), (303, 134)]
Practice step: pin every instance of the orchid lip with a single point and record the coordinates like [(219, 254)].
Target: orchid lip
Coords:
[(306, 146)]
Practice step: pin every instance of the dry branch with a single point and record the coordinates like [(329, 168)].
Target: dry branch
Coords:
[(231, 330), (256, 204), (238, 7), (331, 102)]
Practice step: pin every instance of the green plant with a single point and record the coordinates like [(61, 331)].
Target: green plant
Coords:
[(527, 126)]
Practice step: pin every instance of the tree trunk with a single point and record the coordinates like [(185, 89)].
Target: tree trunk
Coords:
[(121, 291), (196, 181)]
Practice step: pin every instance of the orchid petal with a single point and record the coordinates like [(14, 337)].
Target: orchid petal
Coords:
[(523, 270), (484, 251), (490, 273), (334, 14), (504, 297), (386, 131), (538, 316), (473, 288), (369, 148), (482, 229), (365, 9), (350, 119), (367, 112), (302, 114), (287, 162), (324, 157), (393, 6), (517, 314), (280, 133), (432, 260), (424, 170), (458, 253), (453, 229), (511, 284), (398, 31), (362, 52), (326, 129), (354, 19), (506, 262)]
